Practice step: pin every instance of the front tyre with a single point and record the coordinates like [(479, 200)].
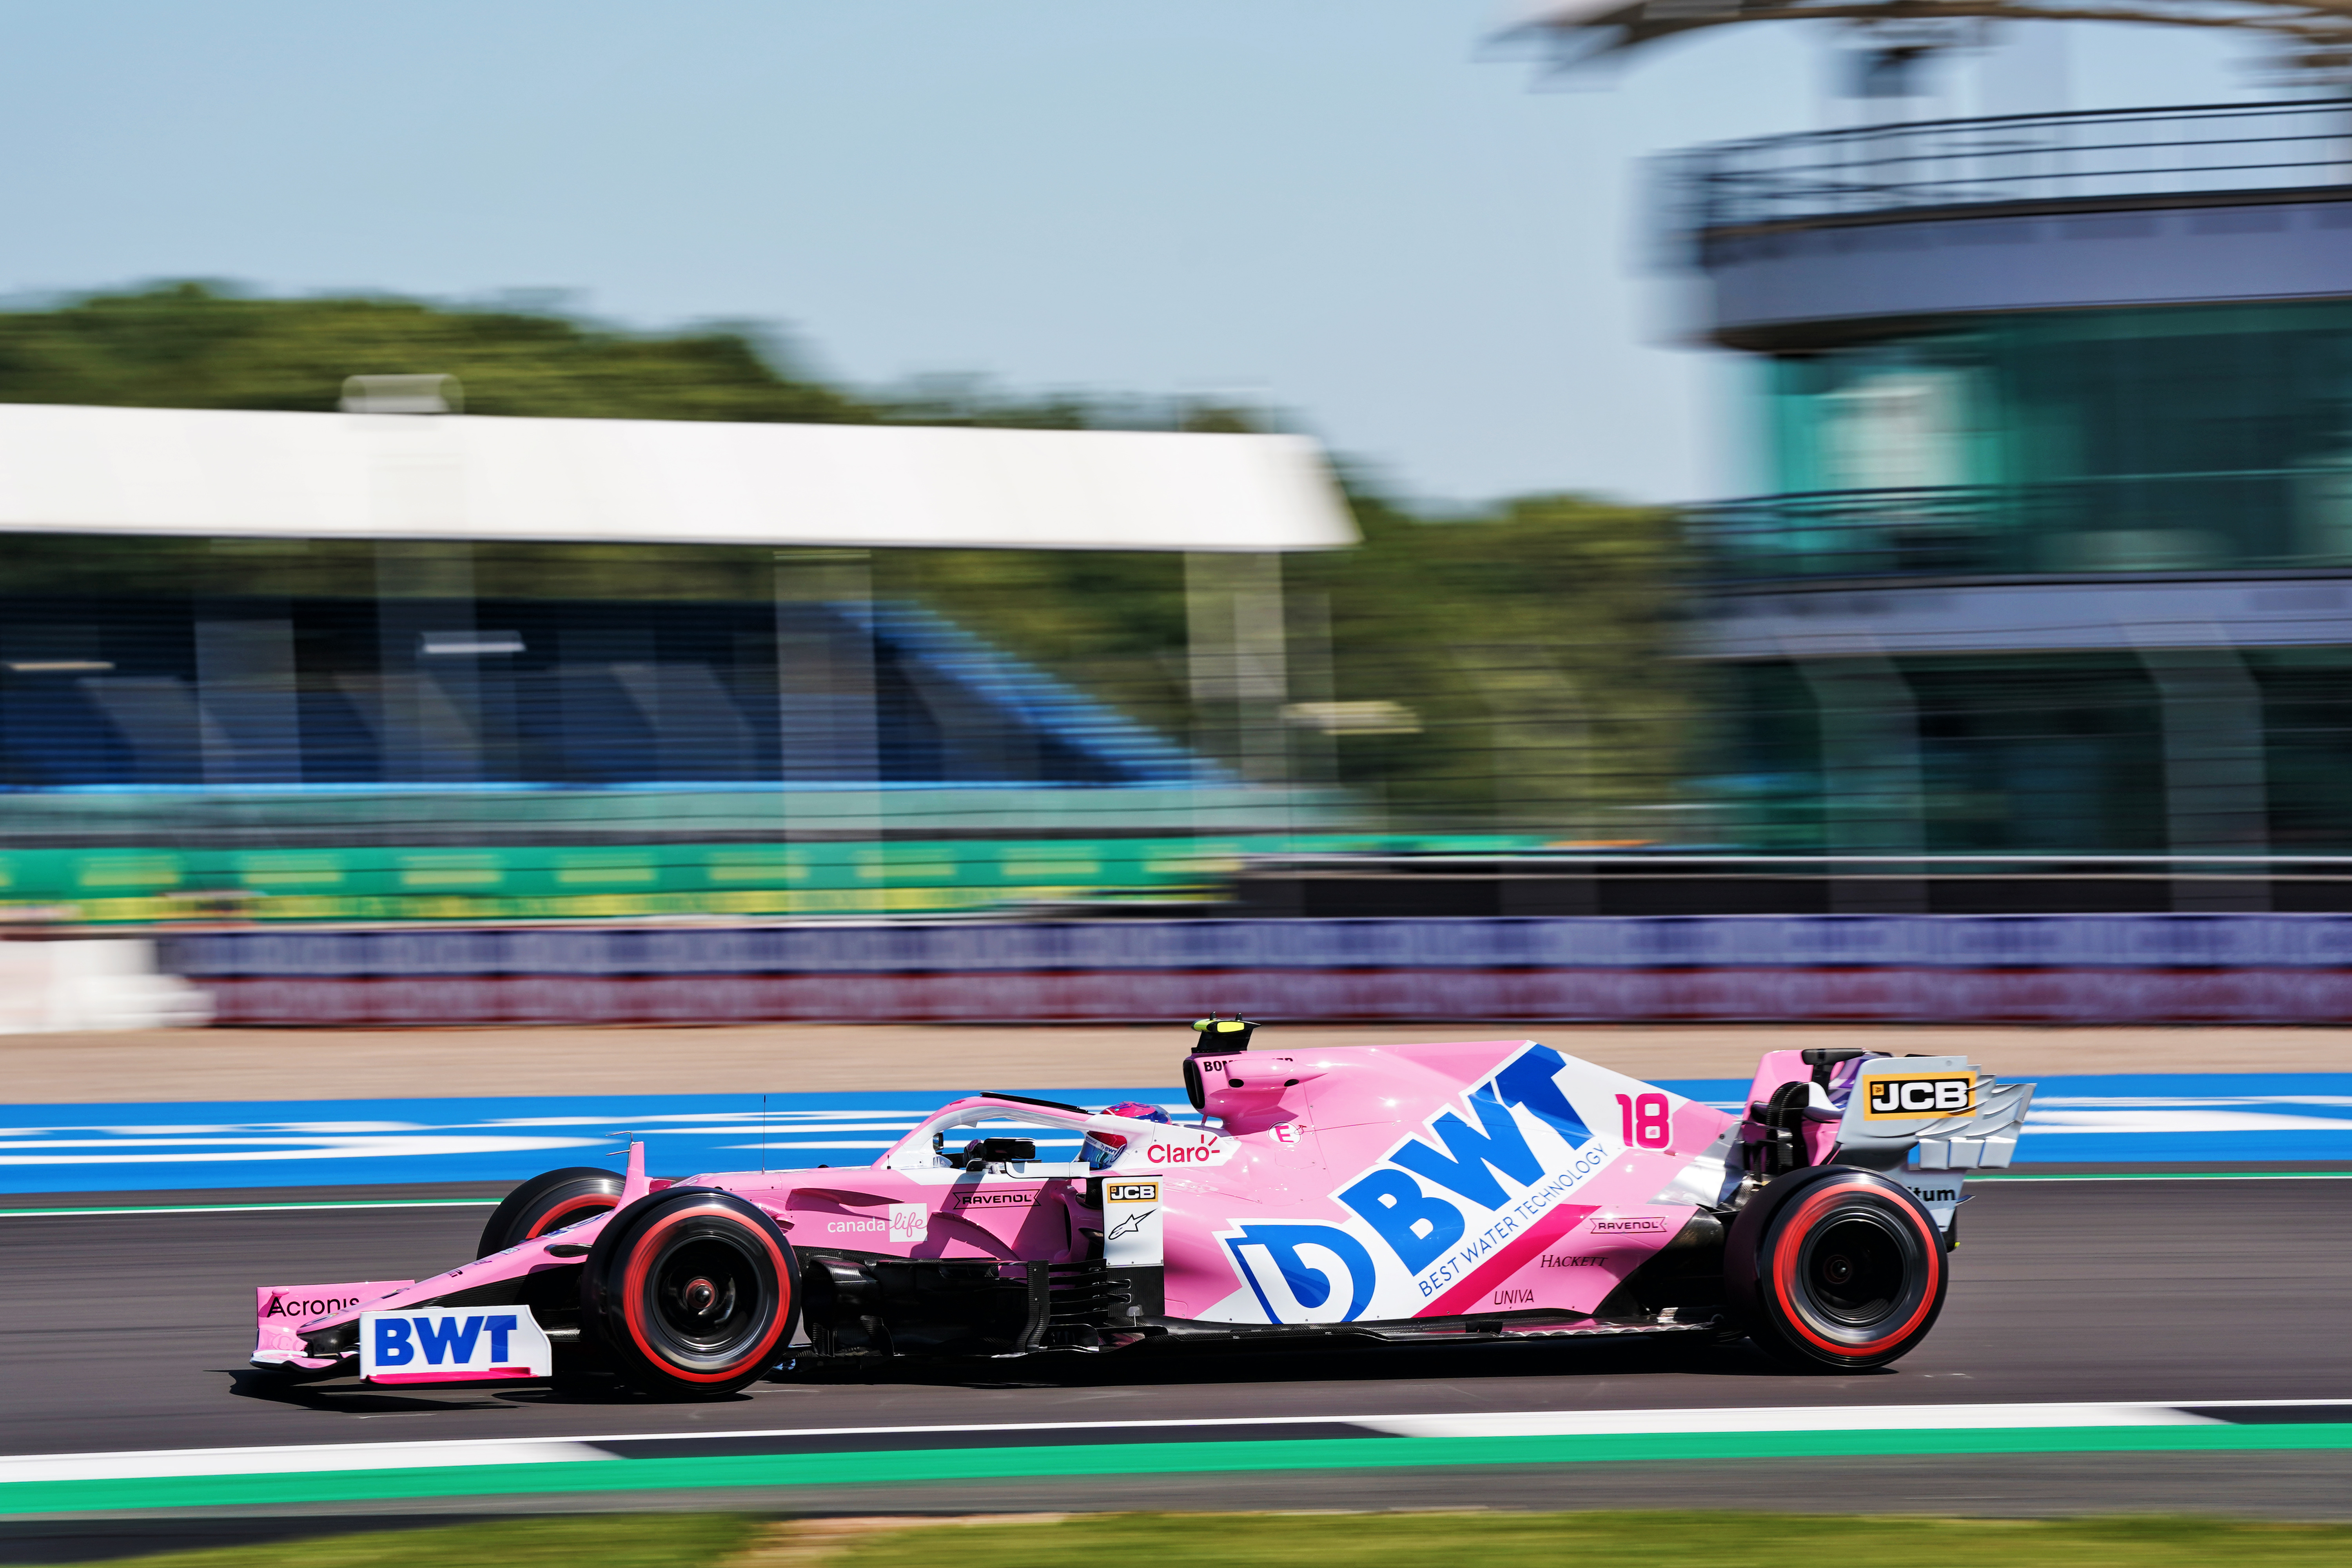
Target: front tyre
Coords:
[(689, 1293), (550, 1202), (1833, 1267)]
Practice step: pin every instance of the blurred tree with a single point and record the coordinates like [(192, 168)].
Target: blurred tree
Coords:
[(191, 345), (1532, 645), (1534, 642)]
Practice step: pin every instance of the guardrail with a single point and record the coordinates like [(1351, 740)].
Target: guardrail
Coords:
[(1685, 884), (2102, 153)]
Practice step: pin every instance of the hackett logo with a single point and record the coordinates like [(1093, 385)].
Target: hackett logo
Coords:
[(1921, 1094)]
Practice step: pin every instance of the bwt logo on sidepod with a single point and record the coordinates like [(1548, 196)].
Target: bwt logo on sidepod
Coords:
[(1296, 1270), (1305, 1273)]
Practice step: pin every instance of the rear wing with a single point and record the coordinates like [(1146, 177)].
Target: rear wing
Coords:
[(1945, 1112), (1927, 1121)]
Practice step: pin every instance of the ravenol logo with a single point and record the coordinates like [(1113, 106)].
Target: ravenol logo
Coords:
[(1910, 1096), (1316, 1273)]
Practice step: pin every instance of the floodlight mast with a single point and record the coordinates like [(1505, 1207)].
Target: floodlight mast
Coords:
[(2313, 36)]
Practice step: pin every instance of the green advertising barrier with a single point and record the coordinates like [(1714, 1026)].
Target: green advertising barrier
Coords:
[(607, 881)]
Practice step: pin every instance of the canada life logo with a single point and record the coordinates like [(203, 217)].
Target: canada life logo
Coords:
[(1421, 1202)]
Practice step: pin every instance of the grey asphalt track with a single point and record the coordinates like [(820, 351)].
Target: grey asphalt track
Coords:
[(129, 1331)]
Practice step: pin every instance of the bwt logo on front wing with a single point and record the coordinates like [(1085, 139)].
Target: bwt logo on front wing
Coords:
[(1922, 1094), (453, 1347)]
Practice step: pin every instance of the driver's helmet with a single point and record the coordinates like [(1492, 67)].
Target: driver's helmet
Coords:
[(1101, 1148)]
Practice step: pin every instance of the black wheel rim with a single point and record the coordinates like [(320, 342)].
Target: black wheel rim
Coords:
[(709, 1296), (1860, 1272)]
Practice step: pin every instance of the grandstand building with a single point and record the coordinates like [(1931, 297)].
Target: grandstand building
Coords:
[(2056, 552), (356, 733)]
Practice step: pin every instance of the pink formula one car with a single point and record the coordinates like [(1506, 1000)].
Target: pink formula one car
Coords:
[(1490, 1189)]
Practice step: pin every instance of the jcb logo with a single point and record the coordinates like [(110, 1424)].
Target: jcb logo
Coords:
[(1925, 1094), (1133, 1192)]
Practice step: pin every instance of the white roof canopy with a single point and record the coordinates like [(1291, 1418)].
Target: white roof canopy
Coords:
[(378, 476)]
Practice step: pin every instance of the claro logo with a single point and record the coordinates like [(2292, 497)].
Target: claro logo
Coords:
[(1909, 1098), (1180, 1153)]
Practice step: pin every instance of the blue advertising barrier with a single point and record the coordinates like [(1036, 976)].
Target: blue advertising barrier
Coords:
[(1997, 969), (2120, 1119)]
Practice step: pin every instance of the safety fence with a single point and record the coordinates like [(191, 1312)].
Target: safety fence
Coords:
[(2058, 969)]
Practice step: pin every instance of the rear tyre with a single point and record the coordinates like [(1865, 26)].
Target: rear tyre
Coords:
[(1835, 1269), (549, 1203), (689, 1293)]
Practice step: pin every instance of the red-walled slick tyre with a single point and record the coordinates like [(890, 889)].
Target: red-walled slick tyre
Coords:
[(1834, 1268), (548, 1203), (689, 1293)]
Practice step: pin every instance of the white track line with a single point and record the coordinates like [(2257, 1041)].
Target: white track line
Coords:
[(1823, 1418), (292, 1459), (297, 1460)]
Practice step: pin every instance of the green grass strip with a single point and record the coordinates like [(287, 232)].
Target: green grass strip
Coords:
[(1362, 1540), (919, 1465), (261, 1208), (1703, 1538), (604, 1540)]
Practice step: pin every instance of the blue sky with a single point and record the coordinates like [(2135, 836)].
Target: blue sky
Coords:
[(1352, 210)]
